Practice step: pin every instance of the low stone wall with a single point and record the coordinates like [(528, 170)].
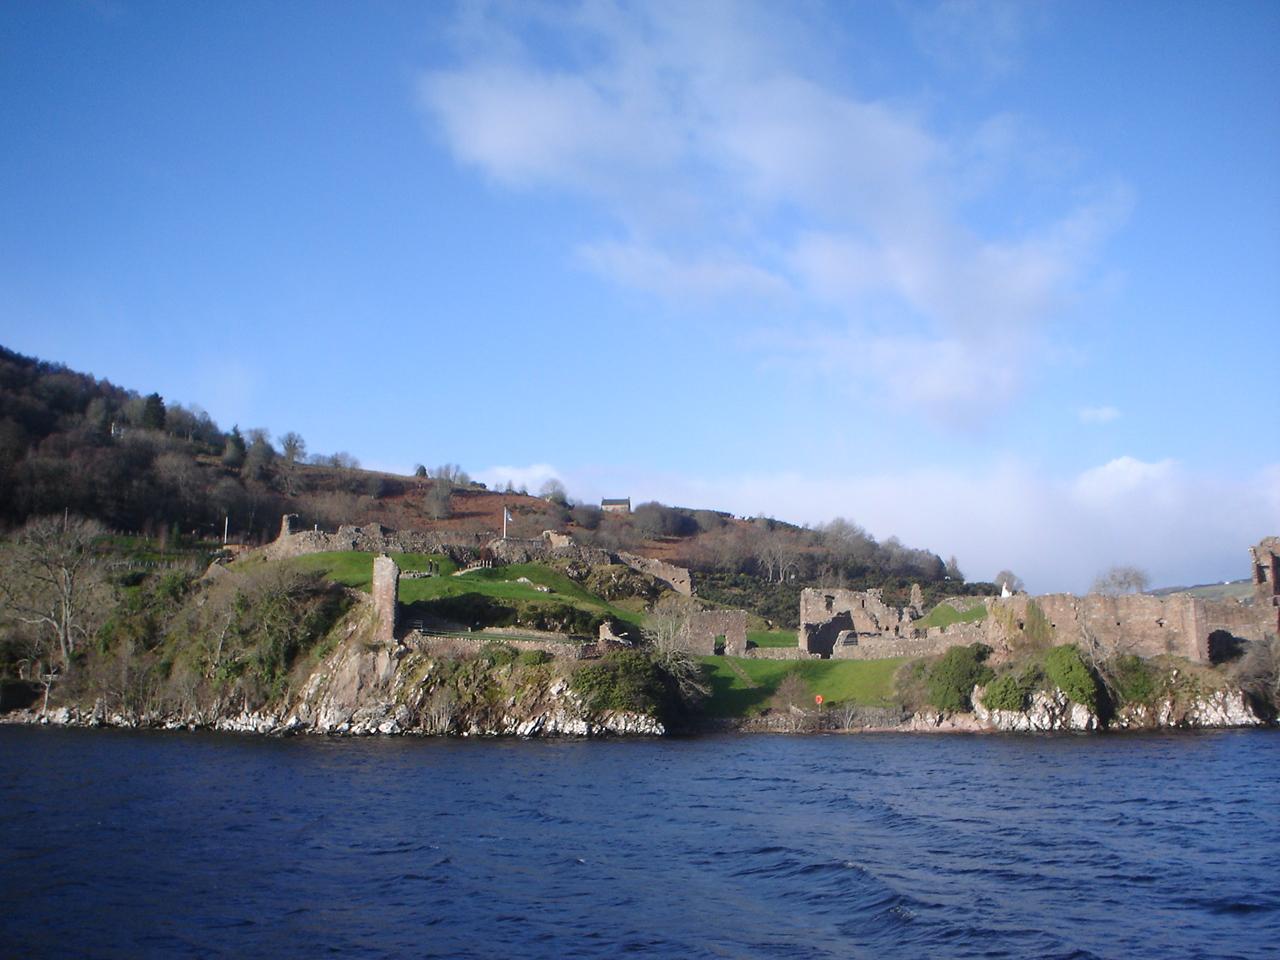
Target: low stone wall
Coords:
[(884, 647), (370, 538), (533, 550), (503, 634), (464, 646), (780, 653)]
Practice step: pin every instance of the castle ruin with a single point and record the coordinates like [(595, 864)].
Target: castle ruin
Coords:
[(859, 625)]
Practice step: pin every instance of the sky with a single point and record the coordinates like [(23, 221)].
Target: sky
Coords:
[(999, 279)]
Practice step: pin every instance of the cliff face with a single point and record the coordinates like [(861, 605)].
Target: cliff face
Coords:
[(366, 687), (1053, 711)]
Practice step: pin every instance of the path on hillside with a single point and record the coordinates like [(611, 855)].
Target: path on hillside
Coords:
[(741, 674)]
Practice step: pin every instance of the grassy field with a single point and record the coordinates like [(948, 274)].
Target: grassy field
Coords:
[(944, 615), (355, 569), (772, 638), (865, 682)]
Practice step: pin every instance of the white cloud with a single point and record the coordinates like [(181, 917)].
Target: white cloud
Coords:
[(733, 168), (649, 268), (1103, 414), (1123, 478)]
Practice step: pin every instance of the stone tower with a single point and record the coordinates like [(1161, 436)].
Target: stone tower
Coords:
[(1266, 579), (386, 594)]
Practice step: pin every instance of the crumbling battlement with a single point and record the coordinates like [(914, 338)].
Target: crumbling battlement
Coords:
[(1265, 559)]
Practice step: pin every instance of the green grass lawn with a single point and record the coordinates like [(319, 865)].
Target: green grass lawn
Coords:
[(864, 682), (944, 615), (773, 638), (354, 569)]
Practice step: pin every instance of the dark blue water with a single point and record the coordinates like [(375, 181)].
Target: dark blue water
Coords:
[(189, 845)]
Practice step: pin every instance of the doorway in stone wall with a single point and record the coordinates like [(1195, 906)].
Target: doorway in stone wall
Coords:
[(718, 647)]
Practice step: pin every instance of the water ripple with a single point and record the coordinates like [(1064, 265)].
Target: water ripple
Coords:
[(149, 845)]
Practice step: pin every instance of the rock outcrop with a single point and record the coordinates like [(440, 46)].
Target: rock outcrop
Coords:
[(1049, 710)]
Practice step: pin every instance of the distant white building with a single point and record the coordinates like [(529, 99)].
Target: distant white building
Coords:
[(616, 506)]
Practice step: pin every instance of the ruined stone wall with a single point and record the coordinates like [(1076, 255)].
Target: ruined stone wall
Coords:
[(848, 624), (677, 578), (780, 653), (386, 597), (542, 549), (884, 646), (371, 538), (698, 635), (464, 646), (1141, 624), (831, 617)]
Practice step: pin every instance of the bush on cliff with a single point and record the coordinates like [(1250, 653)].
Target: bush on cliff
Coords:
[(955, 675), (623, 680), (1132, 679), (1067, 671), (1012, 691)]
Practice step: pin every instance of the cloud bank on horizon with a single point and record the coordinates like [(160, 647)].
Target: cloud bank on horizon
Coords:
[(1058, 535)]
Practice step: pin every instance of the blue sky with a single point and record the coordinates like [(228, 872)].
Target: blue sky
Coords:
[(1000, 279)]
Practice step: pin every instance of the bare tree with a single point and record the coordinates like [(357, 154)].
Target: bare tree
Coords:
[(554, 491), (52, 581), (451, 474), (1007, 578), (664, 627), (293, 447), (791, 699), (1120, 580), (664, 630), (438, 502)]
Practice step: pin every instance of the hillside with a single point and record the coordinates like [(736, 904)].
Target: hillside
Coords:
[(70, 442)]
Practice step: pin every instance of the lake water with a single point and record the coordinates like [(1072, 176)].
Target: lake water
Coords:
[(119, 844)]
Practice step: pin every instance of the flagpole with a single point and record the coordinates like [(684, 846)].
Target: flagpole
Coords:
[(504, 520)]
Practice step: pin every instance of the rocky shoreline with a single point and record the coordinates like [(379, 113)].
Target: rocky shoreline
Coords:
[(560, 716)]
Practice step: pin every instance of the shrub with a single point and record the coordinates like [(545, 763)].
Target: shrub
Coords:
[(623, 680), (1132, 679), (1068, 672), (533, 658), (1012, 691), (955, 675), (498, 655)]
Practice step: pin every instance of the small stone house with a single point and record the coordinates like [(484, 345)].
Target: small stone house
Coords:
[(616, 506)]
